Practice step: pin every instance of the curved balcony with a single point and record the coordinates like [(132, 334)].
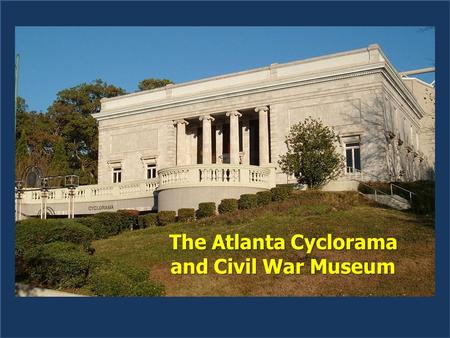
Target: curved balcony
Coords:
[(225, 175), (89, 199), (187, 186), (175, 188)]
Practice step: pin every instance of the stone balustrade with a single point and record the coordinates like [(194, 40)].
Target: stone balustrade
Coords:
[(96, 192), (216, 175), (141, 195), (180, 176)]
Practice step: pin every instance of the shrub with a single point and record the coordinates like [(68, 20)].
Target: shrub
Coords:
[(206, 209), (58, 264), (311, 153), (129, 212), (148, 289), (100, 229), (186, 214), (280, 193), (116, 221), (120, 281), (166, 217), (263, 197), (130, 217), (110, 283), (363, 188), (423, 202), (248, 201), (228, 205), (148, 220), (33, 232)]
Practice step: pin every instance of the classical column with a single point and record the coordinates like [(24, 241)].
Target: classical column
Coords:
[(263, 135), (219, 143), (234, 136), (246, 141), (181, 141), (206, 144)]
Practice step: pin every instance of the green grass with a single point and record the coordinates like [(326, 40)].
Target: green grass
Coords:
[(313, 214)]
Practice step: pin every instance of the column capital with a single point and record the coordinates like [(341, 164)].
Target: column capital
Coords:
[(180, 121), (261, 108), (234, 113), (206, 118)]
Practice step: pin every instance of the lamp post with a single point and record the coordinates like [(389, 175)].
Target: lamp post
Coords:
[(19, 193), (44, 195), (71, 182)]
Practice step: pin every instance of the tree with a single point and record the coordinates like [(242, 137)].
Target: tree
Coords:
[(151, 83), (311, 155), (65, 139), (34, 139), (71, 114)]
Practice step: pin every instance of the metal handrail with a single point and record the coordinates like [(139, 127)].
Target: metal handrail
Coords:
[(380, 192), (351, 170), (406, 190), (375, 190)]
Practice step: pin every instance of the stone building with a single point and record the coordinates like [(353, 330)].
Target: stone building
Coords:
[(221, 137)]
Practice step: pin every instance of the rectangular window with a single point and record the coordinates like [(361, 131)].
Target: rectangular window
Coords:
[(151, 171), (353, 157), (117, 175)]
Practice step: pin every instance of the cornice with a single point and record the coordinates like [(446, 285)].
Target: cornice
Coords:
[(246, 90), (393, 77), (383, 68)]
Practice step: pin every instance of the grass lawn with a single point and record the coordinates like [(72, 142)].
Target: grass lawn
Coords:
[(313, 214)]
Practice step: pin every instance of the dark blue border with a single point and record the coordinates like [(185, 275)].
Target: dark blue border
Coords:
[(425, 317)]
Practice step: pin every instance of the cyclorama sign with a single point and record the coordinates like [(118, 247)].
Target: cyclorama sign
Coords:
[(100, 207)]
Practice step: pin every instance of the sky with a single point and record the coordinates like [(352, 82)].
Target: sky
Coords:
[(55, 58)]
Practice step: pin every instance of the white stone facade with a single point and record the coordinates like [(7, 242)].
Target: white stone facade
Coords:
[(221, 137), (358, 93)]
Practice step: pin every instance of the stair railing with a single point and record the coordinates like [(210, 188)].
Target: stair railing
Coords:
[(410, 193), (376, 191)]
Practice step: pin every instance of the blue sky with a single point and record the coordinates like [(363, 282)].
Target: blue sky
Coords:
[(55, 58)]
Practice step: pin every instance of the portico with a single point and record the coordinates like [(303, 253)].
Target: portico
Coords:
[(218, 155), (233, 137)]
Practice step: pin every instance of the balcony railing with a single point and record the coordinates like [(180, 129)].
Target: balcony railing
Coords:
[(181, 176), (216, 175), (98, 192)]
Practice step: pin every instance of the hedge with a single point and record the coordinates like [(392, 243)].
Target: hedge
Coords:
[(363, 188), (131, 217), (263, 197), (228, 205), (206, 209), (186, 214), (423, 201), (166, 217), (118, 281), (101, 230), (114, 220), (147, 220), (110, 283), (280, 193), (33, 232), (248, 201), (58, 264)]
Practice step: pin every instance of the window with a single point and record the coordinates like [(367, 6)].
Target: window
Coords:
[(151, 171), (353, 157), (117, 175)]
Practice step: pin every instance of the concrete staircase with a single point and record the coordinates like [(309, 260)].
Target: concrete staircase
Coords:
[(393, 201)]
